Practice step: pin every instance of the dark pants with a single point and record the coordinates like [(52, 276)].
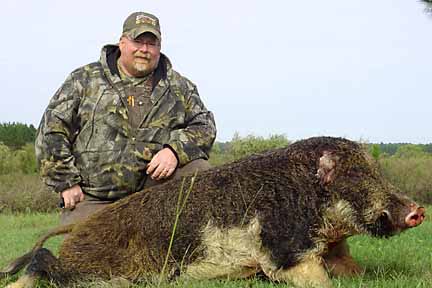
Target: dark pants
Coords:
[(90, 204)]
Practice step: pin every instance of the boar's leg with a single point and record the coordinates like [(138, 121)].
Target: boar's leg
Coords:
[(209, 270), (339, 261), (43, 265), (308, 273)]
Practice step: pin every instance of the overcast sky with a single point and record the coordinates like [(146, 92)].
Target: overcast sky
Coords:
[(359, 69)]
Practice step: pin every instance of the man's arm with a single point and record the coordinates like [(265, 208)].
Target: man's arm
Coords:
[(195, 140), (55, 136), (191, 142)]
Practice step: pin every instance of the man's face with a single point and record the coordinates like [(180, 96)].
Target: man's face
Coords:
[(140, 56)]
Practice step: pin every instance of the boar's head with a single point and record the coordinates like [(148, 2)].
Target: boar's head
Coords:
[(400, 214), (349, 174)]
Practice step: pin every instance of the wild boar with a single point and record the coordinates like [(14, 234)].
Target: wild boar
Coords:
[(277, 213)]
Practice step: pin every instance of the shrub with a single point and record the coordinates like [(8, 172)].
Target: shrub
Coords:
[(5, 159), (220, 154), (410, 169), (26, 159), (25, 193), (22, 160), (240, 147)]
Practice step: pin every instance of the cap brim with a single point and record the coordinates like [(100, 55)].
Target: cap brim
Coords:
[(134, 33)]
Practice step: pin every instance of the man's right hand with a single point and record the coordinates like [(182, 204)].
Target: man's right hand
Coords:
[(72, 196)]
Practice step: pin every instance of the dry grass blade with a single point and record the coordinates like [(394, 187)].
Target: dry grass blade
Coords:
[(181, 203)]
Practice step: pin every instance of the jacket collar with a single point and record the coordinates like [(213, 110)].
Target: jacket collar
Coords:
[(162, 74)]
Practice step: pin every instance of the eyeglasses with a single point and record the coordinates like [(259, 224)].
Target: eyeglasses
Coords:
[(138, 43)]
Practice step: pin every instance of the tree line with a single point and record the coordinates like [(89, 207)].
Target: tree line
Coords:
[(15, 136)]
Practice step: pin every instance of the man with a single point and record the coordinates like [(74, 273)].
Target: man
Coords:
[(124, 123)]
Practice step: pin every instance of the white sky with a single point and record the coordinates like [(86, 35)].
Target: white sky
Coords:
[(359, 69)]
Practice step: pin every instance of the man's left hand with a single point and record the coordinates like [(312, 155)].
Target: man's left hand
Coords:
[(162, 165)]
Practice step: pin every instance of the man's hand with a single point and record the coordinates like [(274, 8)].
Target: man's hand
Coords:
[(72, 196), (162, 165)]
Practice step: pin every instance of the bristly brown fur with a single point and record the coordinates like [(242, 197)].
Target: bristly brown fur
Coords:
[(277, 212)]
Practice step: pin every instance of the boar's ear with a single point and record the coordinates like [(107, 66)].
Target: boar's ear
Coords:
[(326, 168)]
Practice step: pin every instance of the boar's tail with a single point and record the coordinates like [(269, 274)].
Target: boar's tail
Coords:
[(54, 232), (19, 263)]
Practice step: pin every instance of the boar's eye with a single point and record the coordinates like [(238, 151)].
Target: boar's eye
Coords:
[(386, 214)]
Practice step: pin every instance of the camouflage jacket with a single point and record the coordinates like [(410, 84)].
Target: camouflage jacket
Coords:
[(85, 137)]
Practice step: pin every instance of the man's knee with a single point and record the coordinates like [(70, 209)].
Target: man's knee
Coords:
[(192, 167), (82, 210)]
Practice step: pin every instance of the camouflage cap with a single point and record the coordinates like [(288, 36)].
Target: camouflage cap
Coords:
[(140, 22)]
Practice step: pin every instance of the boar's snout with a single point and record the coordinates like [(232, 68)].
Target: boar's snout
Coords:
[(416, 216)]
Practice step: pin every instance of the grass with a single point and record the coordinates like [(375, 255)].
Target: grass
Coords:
[(401, 261)]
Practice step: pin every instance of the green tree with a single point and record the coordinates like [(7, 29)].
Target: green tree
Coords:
[(5, 159), (375, 151), (241, 147), (16, 135), (428, 148), (26, 159), (22, 161), (410, 151)]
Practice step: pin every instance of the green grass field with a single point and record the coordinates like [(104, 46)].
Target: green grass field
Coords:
[(401, 261)]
